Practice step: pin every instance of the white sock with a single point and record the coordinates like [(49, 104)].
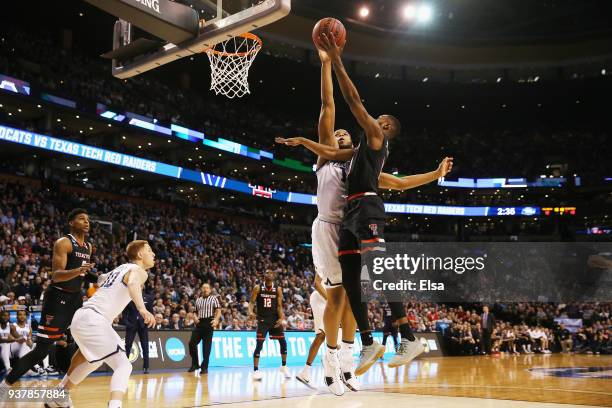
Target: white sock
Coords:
[(348, 346), (63, 383), (332, 351), (306, 368), (114, 404)]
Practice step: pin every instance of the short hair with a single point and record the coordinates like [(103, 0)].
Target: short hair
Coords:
[(77, 211), (134, 248), (396, 124)]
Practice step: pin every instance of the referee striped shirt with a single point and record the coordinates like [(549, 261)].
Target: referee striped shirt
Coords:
[(206, 306)]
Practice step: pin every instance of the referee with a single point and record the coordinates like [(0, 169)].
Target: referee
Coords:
[(206, 306)]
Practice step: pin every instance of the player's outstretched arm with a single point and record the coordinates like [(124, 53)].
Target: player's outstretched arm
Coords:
[(327, 116), (373, 131), (327, 152), (407, 182), (136, 278), (61, 249)]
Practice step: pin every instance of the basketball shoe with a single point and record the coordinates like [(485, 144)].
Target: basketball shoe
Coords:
[(347, 368), (406, 352), (368, 356), (331, 373)]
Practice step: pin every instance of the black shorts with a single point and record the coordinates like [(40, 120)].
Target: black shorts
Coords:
[(57, 311), (265, 327), (363, 226)]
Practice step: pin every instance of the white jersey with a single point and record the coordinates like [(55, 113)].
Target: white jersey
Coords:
[(112, 296), (23, 331), (4, 333), (331, 191)]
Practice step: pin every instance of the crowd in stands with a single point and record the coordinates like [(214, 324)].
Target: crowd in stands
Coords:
[(478, 151), (532, 328), (231, 254)]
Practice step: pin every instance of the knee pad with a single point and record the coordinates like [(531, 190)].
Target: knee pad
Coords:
[(122, 368), (258, 348), (283, 345)]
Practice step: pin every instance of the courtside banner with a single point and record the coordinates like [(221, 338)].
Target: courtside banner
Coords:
[(170, 348), (486, 271)]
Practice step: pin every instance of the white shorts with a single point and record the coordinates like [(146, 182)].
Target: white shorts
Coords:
[(317, 304), (325, 237), (95, 335)]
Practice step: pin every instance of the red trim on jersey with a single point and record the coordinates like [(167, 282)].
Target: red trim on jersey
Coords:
[(359, 195), (349, 252)]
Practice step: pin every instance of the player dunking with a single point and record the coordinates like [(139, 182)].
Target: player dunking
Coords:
[(270, 316), (364, 217), (70, 268), (92, 325), (331, 193)]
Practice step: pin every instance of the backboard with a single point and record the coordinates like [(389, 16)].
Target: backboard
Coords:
[(222, 19)]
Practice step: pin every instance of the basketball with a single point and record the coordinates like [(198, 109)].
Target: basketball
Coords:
[(328, 26)]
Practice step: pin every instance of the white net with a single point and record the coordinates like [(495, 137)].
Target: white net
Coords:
[(230, 61)]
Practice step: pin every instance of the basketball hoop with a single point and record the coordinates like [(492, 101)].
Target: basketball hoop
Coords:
[(230, 61)]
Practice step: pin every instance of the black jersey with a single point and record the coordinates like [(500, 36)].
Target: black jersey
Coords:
[(366, 166), (267, 303), (79, 256), (387, 315)]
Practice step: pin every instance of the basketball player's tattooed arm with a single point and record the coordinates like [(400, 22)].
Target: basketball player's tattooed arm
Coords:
[(253, 300), (319, 287), (327, 116), (371, 127), (61, 249), (407, 182), (279, 307), (327, 152), (134, 281)]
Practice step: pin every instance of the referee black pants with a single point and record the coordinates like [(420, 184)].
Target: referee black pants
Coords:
[(202, 332)]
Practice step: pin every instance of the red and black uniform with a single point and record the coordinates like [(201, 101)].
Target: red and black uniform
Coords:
[(362, 231), (267, 314), (363, 225), (62, 299)]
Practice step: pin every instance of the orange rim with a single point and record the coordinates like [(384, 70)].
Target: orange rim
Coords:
[(249, 36)]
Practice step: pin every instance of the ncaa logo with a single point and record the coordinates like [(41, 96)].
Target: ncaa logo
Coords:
[(134, 352), (175, 349)]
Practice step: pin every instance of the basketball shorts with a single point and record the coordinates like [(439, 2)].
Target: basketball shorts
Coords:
[(363, 226), (325, 238), (95, 335), (57, 311), (265, 327), (317, 304)]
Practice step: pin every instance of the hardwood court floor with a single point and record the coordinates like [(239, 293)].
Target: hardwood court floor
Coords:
[(533, 381)]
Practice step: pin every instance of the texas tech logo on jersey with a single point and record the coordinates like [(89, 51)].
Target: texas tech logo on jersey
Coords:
[(374, 229)]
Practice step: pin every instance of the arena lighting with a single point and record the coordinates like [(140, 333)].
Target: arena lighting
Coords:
[(424, 13), (364, 12), (409, 12)]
